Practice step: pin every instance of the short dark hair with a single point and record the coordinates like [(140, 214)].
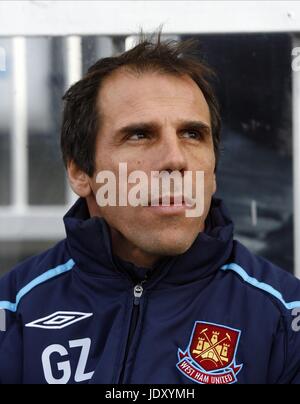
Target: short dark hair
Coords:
[(81, 118)]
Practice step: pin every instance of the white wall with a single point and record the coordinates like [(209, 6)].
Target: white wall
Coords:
[(125, 17)]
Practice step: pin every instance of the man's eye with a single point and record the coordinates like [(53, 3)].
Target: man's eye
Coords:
[(137, 136), (192, 134)]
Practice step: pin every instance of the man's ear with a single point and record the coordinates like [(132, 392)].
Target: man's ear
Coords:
[(79, 180)]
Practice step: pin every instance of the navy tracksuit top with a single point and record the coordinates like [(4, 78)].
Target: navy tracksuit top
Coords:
[(217, 314)]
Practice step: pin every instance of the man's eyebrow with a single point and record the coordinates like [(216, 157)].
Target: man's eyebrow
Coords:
[(150, 126), (133, 127), (195, 124)]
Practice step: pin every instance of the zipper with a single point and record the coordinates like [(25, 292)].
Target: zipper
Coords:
[(137, 295), (137, 292)]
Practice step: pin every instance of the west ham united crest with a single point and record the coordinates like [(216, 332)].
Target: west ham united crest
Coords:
[(210, 356)]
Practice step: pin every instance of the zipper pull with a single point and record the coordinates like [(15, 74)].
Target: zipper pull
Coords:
[(138, 291)]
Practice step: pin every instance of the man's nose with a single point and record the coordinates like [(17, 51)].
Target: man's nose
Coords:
[(172, 156)]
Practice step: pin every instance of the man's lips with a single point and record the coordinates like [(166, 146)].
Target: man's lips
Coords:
[(171, 201)]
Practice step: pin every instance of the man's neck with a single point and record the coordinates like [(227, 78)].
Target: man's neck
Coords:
[(125, 250)]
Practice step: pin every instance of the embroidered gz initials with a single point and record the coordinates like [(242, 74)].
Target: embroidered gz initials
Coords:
[(65, 367)]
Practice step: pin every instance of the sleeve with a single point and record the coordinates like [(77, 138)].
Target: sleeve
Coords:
[(291, 350), (285, 354), (11, 351)]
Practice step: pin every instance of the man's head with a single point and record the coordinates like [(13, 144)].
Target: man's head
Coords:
[(154, 109)]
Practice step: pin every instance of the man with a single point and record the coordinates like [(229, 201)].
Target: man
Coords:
[(142, 293)]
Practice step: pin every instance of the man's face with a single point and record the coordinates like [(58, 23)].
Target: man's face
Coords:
[(166, 103)]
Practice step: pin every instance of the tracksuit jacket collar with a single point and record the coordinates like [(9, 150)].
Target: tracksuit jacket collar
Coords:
[(89, 242)]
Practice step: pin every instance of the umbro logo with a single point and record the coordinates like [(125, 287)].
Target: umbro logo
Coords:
[(59, 320)]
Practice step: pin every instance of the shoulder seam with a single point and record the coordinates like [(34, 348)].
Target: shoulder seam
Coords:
[(50, 274), (260, 285)]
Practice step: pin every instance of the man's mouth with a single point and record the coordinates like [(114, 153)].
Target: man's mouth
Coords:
[(171, 201)]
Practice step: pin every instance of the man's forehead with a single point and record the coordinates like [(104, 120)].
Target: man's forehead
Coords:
[(127, 93)]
